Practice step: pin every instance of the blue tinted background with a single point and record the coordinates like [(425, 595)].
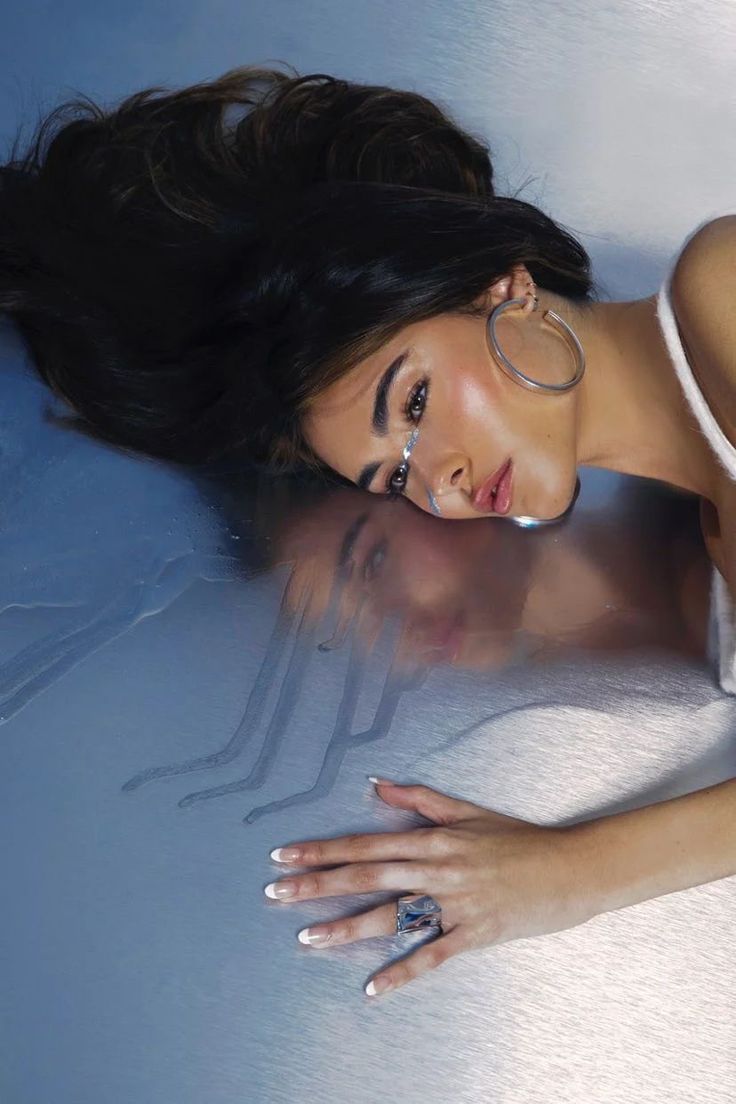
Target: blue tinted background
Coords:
[(138, 956)]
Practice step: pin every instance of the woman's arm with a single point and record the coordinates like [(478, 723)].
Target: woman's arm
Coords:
[(634, 856), (497, 878)]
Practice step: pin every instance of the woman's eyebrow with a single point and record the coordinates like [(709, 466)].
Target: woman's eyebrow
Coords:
[(349, 540), (379, 421), (365, 478)]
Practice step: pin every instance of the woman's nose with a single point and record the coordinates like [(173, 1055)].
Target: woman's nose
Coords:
[(449, 474)]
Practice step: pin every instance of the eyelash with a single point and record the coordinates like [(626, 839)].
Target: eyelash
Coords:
[(422, 388)]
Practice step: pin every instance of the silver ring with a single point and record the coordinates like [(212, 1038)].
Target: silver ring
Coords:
[(416, 913), (515, 373)]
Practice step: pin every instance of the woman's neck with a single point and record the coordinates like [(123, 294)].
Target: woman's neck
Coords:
[(632, 414)]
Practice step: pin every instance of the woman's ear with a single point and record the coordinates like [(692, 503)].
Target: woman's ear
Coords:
[(516, 284)]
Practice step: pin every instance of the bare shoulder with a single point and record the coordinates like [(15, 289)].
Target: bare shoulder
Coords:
[(704, 302), (709, 255)]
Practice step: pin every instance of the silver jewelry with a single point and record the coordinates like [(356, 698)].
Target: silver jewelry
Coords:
[(415, 913), (525, 522), (408, 447), (515, 373), (407, 450), (406, 453), (433, 503)]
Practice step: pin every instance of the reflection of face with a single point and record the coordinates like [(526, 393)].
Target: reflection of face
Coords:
[(472, 417), (458, 592), (448, 588), (463, 593)]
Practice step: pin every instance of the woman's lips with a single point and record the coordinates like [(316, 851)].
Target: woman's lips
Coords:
[(485, 500)]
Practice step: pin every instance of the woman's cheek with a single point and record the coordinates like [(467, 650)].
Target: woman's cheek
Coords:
[(477, 419)]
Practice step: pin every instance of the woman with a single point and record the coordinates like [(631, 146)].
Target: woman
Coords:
[(464, 397), (414, 341)]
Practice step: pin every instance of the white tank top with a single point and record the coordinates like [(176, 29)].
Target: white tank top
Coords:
[(722, 635)]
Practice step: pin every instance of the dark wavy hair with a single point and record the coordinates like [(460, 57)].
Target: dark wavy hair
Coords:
[(355, 265), (192, 268)]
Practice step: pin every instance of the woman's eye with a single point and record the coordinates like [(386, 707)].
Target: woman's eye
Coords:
[(374, 562), (397, 482), (417, 402)]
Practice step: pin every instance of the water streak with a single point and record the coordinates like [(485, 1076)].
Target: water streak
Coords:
[(343, 739), (44, 662), (249, 721), (287, 701)]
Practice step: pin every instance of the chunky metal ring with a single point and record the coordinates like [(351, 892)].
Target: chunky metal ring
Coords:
[(416, 912), (515, 373)]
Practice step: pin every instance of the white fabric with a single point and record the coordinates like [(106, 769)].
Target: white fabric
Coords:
[(722, 636)]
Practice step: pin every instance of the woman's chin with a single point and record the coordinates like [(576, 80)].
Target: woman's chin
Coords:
[(548, 505)]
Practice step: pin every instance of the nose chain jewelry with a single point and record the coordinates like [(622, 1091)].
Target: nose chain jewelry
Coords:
[(408, 449)]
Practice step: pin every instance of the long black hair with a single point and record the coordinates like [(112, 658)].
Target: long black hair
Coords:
[(344, 272), (191, 269)]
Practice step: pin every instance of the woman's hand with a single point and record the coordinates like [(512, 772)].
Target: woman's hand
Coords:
[(495, 877)]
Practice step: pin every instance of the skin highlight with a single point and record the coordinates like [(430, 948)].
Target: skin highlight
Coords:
[(626, 414)]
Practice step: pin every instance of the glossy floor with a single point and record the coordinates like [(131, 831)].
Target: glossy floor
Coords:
[(167, 716), (196, 671)]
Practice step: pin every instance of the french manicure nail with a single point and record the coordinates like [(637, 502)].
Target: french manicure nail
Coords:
[(380, 781), (377, 985), (285, 854), (279, 890), (311, 937)]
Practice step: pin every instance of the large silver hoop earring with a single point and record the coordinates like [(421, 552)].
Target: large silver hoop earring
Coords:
[(526, 522), (515, 373)]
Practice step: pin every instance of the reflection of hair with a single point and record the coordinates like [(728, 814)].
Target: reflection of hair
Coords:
[(162, 259), (260, 508), (116, 228)]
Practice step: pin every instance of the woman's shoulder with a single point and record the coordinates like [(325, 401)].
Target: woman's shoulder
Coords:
[(703, 295), (707, 258)]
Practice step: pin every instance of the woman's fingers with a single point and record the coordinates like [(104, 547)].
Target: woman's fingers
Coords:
[(366, 847), (356, 878), (429, 956), (429, 803), (374, 924), (377, 922), (374, 846)]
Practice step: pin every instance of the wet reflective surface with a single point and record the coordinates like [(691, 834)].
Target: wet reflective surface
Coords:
[(196, 669)]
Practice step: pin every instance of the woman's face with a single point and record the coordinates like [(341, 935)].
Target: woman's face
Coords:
[(440, 376)]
